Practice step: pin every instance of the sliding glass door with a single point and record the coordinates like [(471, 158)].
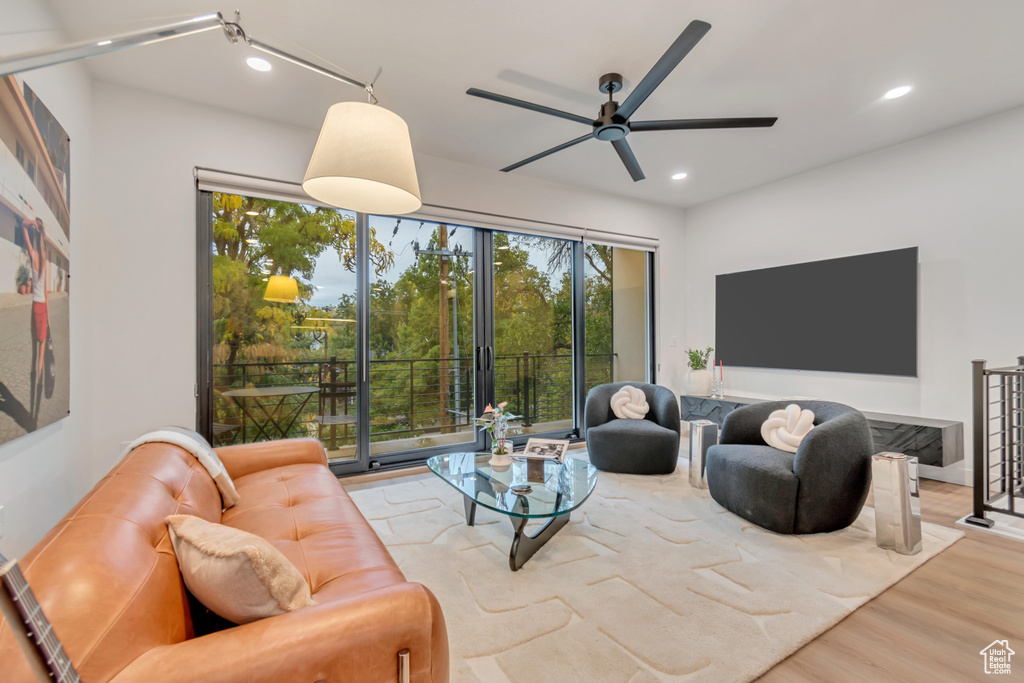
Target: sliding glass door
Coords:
[(422, 337), (618, 314), (533, 331), (384, 337)]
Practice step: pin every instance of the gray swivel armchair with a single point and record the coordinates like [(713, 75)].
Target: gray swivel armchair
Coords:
[(821, 487), (648, 446)]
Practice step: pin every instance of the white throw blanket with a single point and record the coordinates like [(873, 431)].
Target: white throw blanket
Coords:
[(629, 402), (785, 429), (194, 443)]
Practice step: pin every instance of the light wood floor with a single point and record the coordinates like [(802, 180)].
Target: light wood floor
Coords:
[(931, 625)]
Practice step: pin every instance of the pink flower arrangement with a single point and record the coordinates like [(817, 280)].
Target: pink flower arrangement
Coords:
[(495, 422)]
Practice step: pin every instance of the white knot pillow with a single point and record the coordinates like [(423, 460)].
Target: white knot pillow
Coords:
[(785, 429), (630, 403)]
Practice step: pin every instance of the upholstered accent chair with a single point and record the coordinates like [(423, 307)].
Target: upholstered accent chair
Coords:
[(647, 446), (821, 487)]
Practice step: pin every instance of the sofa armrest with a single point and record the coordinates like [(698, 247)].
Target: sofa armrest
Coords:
[(264, 455), (356, 640)]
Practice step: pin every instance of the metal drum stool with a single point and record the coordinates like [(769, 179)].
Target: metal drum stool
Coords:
[(703, 435), (897, 503)]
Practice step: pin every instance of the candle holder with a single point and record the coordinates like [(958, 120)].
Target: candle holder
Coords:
[(717, 383)]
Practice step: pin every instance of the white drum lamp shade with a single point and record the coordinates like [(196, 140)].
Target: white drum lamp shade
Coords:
[(363, 161), (282, 289)]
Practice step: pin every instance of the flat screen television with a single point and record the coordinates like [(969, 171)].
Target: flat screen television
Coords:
[(853, 314)]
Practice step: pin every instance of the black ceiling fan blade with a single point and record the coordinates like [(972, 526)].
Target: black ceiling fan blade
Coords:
[(559, 148), (690, 36), (540, 108), (629, 159), (701, 124)]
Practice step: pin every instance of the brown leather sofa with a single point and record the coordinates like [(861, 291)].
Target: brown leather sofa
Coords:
[(107, 578)]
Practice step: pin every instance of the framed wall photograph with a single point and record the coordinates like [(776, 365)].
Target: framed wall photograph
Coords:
[(548, 449), (35, 258)]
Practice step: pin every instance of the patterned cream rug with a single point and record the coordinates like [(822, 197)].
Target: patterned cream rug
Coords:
[(651, 581)]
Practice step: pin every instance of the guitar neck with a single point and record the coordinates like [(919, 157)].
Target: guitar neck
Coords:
[(35, 634)]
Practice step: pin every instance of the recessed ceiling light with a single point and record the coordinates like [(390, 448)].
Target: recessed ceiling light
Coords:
[(678, 176), (898, 92), (258, 63), (252, 213)]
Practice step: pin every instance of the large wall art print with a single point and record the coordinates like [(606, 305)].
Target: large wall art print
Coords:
[(35, 257)]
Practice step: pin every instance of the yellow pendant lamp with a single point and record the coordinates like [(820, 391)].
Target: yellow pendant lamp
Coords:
[(363, 161), (282, 289)]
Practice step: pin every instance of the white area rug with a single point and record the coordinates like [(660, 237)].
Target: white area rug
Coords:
[(651, 581)]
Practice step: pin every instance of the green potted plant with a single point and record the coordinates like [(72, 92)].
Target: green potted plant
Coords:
[(699, 379), (22, 280)]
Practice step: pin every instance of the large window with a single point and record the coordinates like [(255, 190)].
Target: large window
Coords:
[(283, 323), (384, 336)]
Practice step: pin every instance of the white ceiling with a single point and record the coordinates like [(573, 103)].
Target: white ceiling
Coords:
[(821, 67)]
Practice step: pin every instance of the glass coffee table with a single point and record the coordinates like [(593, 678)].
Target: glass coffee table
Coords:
[(554, 493)]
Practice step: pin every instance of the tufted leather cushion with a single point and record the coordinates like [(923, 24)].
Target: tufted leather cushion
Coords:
[(303, 511)]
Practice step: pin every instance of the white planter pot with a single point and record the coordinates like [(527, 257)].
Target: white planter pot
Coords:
[(699, 382), (500, 461)]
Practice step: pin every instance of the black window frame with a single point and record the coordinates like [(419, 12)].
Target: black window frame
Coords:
[(483, 332)]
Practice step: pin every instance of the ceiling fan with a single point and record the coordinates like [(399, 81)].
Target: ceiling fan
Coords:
[(613, 123)]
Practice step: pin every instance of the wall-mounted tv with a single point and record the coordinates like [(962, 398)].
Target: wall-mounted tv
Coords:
[(853, 314)]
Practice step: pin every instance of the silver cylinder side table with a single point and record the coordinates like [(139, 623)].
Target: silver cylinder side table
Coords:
[(897, 503), (703, 435)]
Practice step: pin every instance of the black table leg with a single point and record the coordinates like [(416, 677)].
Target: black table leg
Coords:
[(523, 546), (470, 505)]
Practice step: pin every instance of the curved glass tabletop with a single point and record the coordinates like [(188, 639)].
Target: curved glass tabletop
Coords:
[(564, 487)]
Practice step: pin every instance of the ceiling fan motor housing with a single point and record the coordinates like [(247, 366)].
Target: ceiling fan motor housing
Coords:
[(609, 125)]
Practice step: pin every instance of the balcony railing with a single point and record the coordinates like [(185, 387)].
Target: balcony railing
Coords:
[(998, 397), (409, 398)]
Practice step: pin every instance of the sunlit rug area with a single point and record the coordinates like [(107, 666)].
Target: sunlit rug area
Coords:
[(651, 581)]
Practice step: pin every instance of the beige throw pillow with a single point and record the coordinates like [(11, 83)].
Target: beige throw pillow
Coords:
[(235, 574)]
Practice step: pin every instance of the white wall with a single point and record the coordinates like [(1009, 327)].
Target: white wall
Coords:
[(955, 194), (42, 473)]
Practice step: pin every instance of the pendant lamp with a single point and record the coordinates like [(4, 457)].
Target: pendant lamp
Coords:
[(282, 289), (363, 161)]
